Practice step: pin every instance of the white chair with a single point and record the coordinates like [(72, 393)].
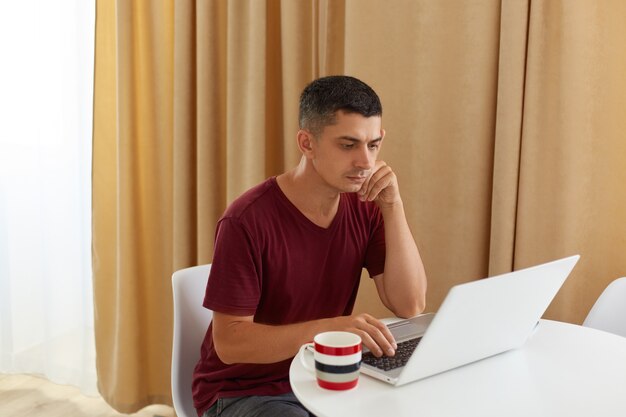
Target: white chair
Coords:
[(609, 311), (191, 321)]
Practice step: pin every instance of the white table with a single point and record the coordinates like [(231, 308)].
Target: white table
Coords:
[(563, 370)]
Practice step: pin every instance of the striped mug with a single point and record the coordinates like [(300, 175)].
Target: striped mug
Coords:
[(337, 359)]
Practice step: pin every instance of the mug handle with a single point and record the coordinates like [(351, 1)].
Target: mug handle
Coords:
[(306, 358)]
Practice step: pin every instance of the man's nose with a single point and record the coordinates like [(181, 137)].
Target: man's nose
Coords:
[(364, 160)]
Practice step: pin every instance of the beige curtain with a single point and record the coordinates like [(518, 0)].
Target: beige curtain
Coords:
[(133, 201), (505, 125), (559, 184)]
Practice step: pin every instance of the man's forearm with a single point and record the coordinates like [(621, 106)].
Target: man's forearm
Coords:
[(250, 342), (240, 340), (404, 279)]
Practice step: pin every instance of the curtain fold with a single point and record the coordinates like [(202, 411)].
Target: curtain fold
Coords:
[(132, 214), (504, 125), (508, 133), (571, 195)]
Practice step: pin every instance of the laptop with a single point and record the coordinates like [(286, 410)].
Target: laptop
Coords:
[(476, 320)]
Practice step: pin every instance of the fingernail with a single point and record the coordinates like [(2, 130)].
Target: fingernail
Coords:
[(395, 345), (390, 352)]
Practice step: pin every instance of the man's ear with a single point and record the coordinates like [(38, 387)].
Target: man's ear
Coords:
[(305, 142)]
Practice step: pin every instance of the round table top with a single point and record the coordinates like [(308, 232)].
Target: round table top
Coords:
[(562, 370)]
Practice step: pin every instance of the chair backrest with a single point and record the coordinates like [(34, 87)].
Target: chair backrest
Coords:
[(191, 321), (609, 311)]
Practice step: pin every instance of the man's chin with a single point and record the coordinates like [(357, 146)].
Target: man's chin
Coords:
[(346, 187), (351, 189)]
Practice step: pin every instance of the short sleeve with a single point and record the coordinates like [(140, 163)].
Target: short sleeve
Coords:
[(234, 283)]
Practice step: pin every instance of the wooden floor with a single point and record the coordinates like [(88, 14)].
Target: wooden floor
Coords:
[(25, 395)]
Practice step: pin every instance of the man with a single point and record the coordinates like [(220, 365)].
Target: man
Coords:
[(290, 251)]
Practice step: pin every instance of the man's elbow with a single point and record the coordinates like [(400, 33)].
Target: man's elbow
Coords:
[(412, 309), (224, 351), (223, 355)]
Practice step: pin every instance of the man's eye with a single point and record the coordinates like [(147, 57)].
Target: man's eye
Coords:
[(347, 145), (373, 145)]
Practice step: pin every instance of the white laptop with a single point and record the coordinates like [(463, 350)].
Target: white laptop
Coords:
[(476, 320)]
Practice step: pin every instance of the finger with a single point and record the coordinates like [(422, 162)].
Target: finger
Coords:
[(388, 335), (366, 331), (379, 338), (369, 343), (366, 184), (378, 182), (386, 340), (364, 189)]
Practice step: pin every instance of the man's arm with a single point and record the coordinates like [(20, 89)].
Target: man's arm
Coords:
[(402, 287), (240, 340)]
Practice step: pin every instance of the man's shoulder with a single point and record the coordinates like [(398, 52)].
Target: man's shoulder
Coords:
[(253, 199)]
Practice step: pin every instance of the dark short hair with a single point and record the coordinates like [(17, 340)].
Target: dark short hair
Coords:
[(322, 98)]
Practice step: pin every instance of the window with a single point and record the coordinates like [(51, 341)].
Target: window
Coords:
[(46, 90)]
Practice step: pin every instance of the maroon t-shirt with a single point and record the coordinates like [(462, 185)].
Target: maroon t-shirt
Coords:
[(272, 262)]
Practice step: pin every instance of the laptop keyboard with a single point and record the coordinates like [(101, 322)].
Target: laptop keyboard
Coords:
[(387, 363)]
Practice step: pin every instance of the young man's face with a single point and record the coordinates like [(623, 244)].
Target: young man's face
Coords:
[(345, 153)]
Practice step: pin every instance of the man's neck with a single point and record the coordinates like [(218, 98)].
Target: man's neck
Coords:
[(310, 194)]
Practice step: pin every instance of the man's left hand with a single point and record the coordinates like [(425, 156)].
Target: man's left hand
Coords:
[(381, 186)]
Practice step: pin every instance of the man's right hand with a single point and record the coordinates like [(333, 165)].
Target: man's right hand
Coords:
[(374, 334)]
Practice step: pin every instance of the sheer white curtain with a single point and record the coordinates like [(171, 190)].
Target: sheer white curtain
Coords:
[(46, 89)]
